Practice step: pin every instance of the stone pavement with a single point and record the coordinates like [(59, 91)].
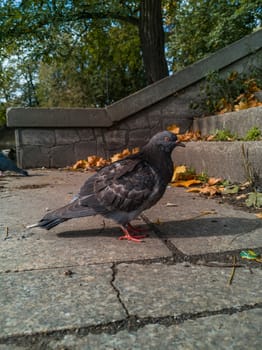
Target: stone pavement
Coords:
[(78, 287)]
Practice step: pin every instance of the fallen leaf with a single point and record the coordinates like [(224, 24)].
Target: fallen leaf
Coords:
[(194, 189), (231, 189), (240, 106), (135, 150), (186, 183), (259, 215), (171, 204), (157, 222), (241, 196), (190, 136), (80, 164), (173, 128), (178, 171), (210, 138), (214, 181), (254, 199), (208, 190)]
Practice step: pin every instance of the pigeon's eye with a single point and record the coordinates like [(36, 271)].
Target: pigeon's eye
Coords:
[(167, 139)]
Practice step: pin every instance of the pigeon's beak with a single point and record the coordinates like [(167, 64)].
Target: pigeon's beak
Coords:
[(179, 143)]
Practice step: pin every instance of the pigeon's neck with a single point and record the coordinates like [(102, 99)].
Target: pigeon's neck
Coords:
[(161, 161)]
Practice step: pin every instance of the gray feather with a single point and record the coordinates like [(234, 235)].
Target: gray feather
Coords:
[(125, 188), (7, 164)]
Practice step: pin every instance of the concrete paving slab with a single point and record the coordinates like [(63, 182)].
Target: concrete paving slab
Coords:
[(40, 301), (75, 242), (161, 290), (238, 331), (79, 246), (196, 225), (43, 306)]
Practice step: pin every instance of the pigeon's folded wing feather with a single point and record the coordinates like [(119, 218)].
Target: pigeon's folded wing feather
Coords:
[(123, 186)]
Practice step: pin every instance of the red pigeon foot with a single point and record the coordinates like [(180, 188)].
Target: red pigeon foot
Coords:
[(129, 237)]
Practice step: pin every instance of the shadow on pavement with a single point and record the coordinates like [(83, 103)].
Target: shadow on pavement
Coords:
[(203, 227)]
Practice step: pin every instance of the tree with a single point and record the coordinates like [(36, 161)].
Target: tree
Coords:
[(103, 67), (200, 27), (25, 20), (152, 40)]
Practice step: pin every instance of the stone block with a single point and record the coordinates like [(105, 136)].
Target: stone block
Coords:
[(236, 122), (66, 136), (86, 134), (57, 117), (85, 149), (62, 156), (221, 159), (138, 138), (33, 156), (137, 122), (115, 139), (37, 136)]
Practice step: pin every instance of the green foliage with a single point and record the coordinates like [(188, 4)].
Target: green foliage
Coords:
[(2, 114), (203, 177), (88, 53), (224, 135), (104, 67), (219, 92), (200, 27), (254, 200), (253, 134)]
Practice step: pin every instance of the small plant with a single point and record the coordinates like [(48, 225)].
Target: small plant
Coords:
[(203, 177), (254, 200), (253, 134), (219, 94), (224, 135)]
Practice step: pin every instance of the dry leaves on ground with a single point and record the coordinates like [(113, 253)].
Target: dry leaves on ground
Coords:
[(95, 162), (186, 177)]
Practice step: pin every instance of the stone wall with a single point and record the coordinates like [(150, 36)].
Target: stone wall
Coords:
[(57, 137)]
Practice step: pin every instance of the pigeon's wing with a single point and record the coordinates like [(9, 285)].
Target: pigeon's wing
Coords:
[(7, 164), (125, 185), (4, 162)]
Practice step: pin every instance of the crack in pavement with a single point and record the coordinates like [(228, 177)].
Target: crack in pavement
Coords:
[(114, 272), (200, 259), (131, 323)]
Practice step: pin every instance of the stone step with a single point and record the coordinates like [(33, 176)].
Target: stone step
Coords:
[(222, 159), (236, 122), (225, 159)]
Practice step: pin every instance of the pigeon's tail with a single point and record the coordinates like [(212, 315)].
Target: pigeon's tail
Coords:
[(56, 217), (49, 223), (21, 171)]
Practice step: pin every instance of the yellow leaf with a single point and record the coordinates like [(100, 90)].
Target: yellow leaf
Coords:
[(125, 152), (92, 160), (178, 171), (80, 164), (233, 75), (190, 136), (210, 137), (208, 190), (186, 183), (241, 105), (135, 150), (173, 128), (259, 215), (194, 189), (213, 181)]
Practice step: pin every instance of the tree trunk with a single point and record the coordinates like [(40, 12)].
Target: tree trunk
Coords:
[(152, 40)]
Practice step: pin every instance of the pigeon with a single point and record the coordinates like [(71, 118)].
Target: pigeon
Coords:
[(122, 190), (7, 164)]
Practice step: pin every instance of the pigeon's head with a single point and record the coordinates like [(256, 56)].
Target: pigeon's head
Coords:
[(166, 141)]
